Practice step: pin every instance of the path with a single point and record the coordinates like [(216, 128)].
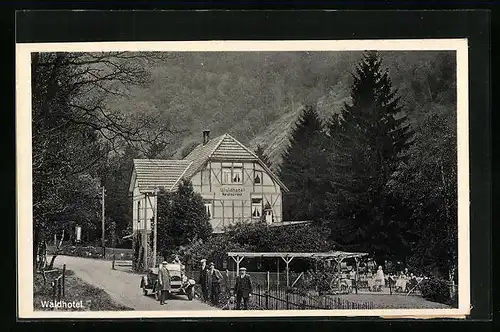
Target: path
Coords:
[(123, 286)]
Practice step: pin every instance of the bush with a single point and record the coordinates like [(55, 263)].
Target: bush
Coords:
[(316, 280), (80, 251), (298, 238), (436, 290)]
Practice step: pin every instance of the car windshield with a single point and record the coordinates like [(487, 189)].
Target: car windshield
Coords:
[(174, 267)]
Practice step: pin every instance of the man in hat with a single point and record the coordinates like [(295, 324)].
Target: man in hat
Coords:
[(164, 281), (243, 289), (213, 281), (176, 260), (202, 281)]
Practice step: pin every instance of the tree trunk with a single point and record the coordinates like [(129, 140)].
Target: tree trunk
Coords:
[(58, 248), (36, 239), (429, 91)]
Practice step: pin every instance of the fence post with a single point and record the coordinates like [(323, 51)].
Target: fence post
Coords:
[(58, 282), (268, 281), (227, 282), (286, 298), (63, 280), (267, 299), (53, 284)]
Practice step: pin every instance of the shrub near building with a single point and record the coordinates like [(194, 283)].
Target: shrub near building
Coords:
[(260, 237), (182, 219)]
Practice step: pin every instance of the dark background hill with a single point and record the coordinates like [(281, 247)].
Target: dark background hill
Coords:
[(257, 96)]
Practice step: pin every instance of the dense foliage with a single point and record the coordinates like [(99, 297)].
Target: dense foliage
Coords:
[(75, 132), (181, 219), (384, 183), (258, 237), (303, 169), (259, 152), (368, 143), (436, 290)]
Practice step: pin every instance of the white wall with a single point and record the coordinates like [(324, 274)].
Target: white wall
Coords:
[(236, 207), (145, 210)]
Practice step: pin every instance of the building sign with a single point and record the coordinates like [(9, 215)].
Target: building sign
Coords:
[(231, 191)]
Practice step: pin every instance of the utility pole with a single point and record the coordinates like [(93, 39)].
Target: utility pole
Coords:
[(155, 221), (146, 266), (103, 193)]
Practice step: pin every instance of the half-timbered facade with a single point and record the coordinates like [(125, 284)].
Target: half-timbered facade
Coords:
[(235, 184)]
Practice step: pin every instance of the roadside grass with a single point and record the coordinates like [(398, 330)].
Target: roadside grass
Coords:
[(92, 252), (92, 298)]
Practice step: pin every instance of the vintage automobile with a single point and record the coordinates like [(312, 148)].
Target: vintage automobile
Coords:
[(180, 284)]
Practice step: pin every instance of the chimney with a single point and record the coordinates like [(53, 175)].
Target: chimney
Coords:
[(206, 136)]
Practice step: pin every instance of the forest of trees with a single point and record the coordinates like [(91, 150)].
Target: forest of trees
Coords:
[(383, 184), (305, 113)]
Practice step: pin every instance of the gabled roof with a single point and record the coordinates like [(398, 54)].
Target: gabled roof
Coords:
[(200, 155), (153, 173), (224, 147), (156, 173)]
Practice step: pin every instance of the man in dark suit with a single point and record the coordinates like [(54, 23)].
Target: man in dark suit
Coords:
[(214, 279), (164, 282), (243, 289), (203, 280)]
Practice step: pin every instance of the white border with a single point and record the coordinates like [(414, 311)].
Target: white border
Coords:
[(24, 162)]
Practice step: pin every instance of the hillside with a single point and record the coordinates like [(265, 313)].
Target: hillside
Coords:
[(257, 96)]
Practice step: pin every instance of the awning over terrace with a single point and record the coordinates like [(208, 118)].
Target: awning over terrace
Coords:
[(337, 256)]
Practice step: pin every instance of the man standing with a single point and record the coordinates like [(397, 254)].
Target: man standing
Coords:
[(164, 282), (202, 281), (213, 281), (243, 289)]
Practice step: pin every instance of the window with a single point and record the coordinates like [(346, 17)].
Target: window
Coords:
[(258, 177), (237, 176), (268, 213), (226, 175), (256, 207), (232, 175), (208, 209), (139, 211)]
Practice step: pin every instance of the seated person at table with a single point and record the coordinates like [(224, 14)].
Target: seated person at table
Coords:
[(401, 283), (412, 282)]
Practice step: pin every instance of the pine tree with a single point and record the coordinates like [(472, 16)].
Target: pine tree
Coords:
[(303, 169), (259, 151), (182, 218), (367, 144)]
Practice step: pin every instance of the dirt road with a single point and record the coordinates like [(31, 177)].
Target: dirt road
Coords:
[(123, 286)]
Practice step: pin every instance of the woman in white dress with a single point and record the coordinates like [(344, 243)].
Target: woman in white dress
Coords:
[(379, 279)]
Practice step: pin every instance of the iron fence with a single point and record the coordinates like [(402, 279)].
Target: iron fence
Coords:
[(282, 299), (59, 285)]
